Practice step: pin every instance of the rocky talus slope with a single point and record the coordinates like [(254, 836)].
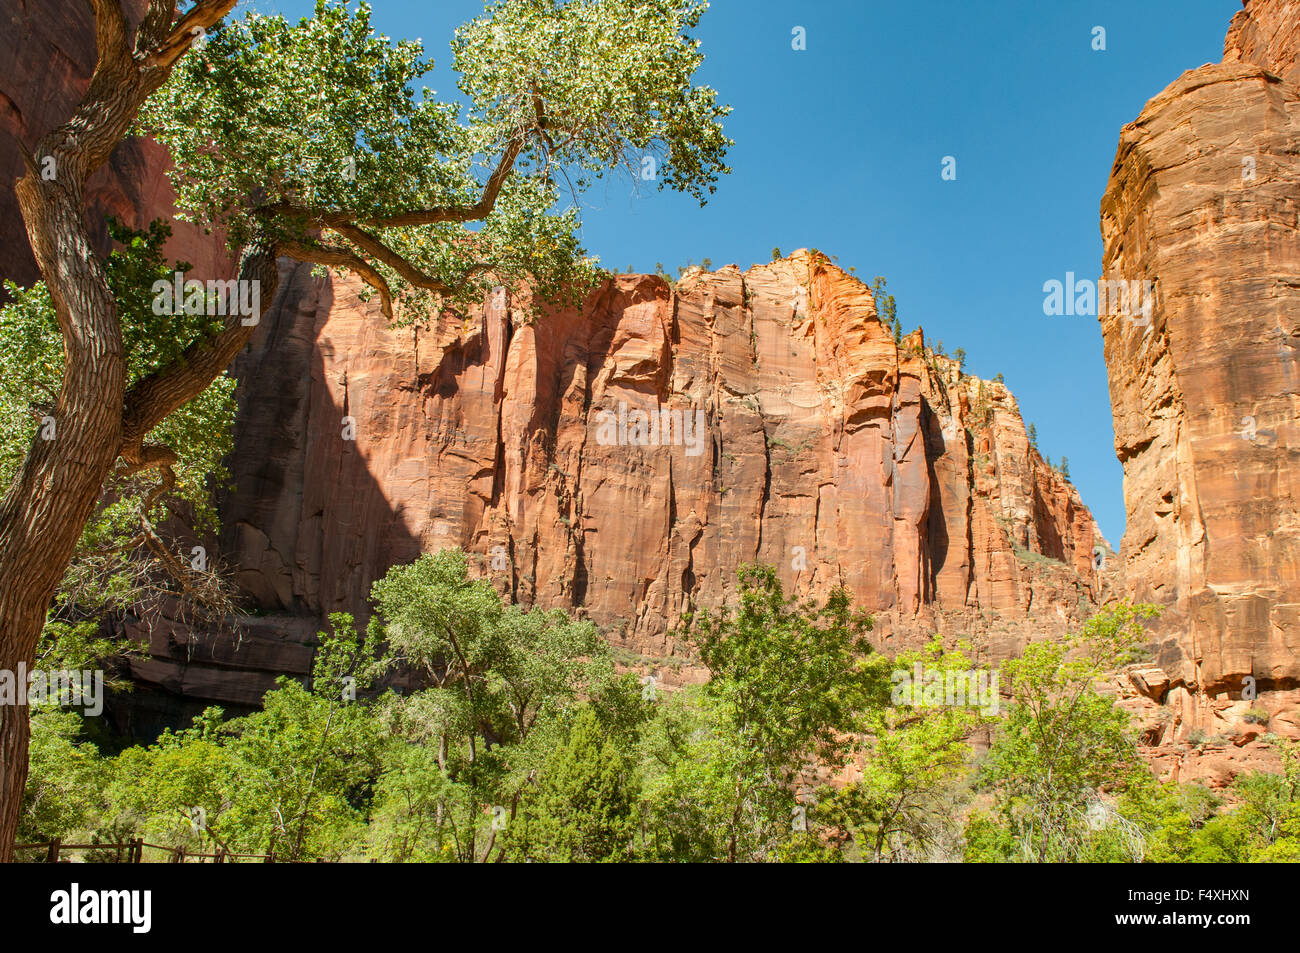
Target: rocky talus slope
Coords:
[(1204, 200)]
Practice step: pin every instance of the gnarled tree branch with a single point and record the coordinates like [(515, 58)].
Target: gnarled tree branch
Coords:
[(156, 395), (481, 209), (319, 254), (110, 32), (155, 26), (459, 213), (205, 14), (373, 246)]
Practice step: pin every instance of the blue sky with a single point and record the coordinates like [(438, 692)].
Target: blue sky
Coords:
[(839, 147)]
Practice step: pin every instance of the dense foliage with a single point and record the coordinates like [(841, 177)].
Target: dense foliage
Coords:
[(1064, 740), (526, 744)]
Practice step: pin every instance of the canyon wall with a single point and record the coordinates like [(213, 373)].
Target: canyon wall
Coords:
[(822, 448), (1203, 200), (826, 449)]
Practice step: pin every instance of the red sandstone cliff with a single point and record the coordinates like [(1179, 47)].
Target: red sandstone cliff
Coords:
[(826, 450), (1203, 200)]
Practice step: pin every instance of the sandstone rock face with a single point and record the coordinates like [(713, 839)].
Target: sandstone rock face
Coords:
[(800, 435), (1193, 736), (1267, 33), (1203, 201)]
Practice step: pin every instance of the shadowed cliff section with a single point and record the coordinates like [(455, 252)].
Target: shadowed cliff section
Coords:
[(294, 461)]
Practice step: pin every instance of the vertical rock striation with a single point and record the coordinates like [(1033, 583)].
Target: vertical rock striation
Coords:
[(825, 449)]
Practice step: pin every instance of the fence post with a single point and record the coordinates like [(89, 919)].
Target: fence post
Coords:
[(52, 854), (221, 856), (270, 858), (178, 856), (138, 851)]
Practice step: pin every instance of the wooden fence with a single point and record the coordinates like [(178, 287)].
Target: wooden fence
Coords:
[(132, 852)]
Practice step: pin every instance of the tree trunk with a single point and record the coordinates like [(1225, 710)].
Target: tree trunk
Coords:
[(13, 772), (55, 491)]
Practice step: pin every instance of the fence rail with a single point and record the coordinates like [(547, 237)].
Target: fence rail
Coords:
[(132, 852)]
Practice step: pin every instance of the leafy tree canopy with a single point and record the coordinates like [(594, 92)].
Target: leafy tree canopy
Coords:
[(314, 135)]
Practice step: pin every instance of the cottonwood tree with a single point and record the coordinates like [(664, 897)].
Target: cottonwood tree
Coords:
[(502, 683), (914, 756), (1064, 738), (311, 141), (790, 683)]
